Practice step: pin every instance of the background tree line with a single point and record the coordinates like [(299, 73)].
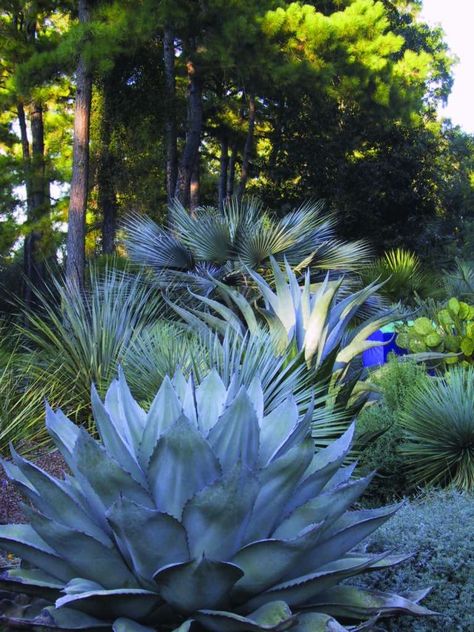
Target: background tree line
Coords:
[(107, 107)]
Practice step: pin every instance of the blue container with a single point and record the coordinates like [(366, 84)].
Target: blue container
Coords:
[(378, 355)]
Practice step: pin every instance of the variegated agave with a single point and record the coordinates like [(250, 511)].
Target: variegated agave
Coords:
[(202, 513), (317, 319)]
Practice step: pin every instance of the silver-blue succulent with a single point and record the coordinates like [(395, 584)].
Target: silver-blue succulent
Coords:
[(202, 512)]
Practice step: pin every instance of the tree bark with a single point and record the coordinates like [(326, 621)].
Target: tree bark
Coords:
[(231, 172), (37, 195), (194, 189), (193, 135), (75, 262), (223, 172), (244, 174), (107, 198), (170, 113)]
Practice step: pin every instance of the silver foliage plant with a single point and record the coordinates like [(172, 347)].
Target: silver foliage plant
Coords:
[(202, 513)]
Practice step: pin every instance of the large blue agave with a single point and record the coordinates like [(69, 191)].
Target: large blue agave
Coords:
[(203, 512)]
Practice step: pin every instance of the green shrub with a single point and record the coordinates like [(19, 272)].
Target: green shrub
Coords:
[(438, 530), (395, 380), (438, 424), (449, 330), (401, 272)]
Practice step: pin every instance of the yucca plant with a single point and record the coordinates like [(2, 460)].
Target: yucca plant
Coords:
[(401, 272), (21, 406), (201, 513), (76, 338), (222, 245), (439, 425)]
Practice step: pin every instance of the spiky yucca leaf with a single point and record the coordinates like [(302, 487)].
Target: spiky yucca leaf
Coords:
[(202, 512), (80, 337), (402, 274), (439, 425)]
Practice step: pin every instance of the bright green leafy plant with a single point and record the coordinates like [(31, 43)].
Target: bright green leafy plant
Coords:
[(451, 332), (401, 272), (439, 425), (203, 512)]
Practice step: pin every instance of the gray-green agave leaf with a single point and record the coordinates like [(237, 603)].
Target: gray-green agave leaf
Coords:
[(203, 512)]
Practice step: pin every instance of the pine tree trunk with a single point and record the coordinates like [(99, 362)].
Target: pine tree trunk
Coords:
[(244, 174), (195, 185), (37, 194), (193, 136), (231, 172), (75, 262), (170, 113), (223, 172), (105, 177)]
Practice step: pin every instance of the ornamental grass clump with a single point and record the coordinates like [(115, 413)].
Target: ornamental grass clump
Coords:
[(439, 426), (202, 513)]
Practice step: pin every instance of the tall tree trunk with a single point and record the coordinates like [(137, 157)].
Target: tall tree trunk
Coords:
[(231, 172), (193, 135), (194, 189), (37, 195), (75, 262), (223, 172), (105, 176), (244, 174), (170, 113)]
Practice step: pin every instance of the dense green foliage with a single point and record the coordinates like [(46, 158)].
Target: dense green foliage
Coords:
[(449, 330), (381, 420), (437, 528)]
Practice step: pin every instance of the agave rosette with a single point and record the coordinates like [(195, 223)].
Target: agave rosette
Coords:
[(202, 512)]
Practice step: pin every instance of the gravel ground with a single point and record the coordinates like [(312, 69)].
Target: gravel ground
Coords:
[(11, 499)]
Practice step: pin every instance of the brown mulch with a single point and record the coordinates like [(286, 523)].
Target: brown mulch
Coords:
[(10, 499)]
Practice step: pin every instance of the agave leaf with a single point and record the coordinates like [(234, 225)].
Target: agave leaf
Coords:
[(278, 482), (31, 582), (317, 622), (136, 603), (78, 549), (128, 417), (255, 393), (22, 540), (113, 441), (275, 429), (195, 585), (53, 499), (147, 539), (272, 617), (267, 562), (242, 304), (229, 318), (324, 464), (326, 506), (213, 532), (122, 624), (211, 397), (356, 603), (302, 589), (342, 475), (182, 464), (64, 433), (235, 436), (164, 411), (334, 544), (105, 476), (317, 323)]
